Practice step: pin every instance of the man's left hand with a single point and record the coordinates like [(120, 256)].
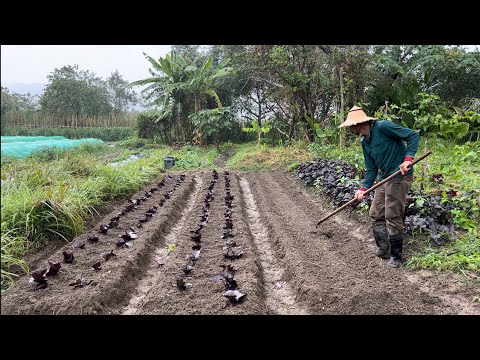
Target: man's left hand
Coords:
[(404, 167)]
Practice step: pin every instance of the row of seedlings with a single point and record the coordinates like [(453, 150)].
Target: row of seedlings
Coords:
[(126, 240), (39, 278), (196, 233), (230, 250)]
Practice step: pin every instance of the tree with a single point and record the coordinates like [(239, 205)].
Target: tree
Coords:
[(307, 80), (14, 105), (403, 71), (75, 93), (190, 52), (121, 96)]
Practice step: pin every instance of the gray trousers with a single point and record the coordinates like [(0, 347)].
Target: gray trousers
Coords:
[(388, 206)]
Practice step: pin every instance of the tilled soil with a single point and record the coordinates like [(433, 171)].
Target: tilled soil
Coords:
[(284, 265)]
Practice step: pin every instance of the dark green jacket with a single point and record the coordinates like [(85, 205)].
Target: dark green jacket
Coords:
[(384, 150)]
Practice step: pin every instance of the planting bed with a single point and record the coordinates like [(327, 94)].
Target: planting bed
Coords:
[(230, 243)]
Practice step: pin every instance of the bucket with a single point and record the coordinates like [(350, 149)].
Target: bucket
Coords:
[(169, 161)]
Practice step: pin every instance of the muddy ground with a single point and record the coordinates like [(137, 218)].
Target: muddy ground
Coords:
[(284, 265)]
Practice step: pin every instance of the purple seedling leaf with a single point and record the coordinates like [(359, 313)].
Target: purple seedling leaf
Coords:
[(39, 276), (195, 255), (181, 284), (97, 265), (68, 257), (196, 237), (53, 268), (233, 254), (107, 256), (92, 238), (81, 282), (234, 295), (217, 278), (160, 260), (187, 269), (103, 228)]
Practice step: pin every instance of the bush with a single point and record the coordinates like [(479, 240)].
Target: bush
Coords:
[(150, 124)]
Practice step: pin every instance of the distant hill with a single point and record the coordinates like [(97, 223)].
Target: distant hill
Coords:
[(21, 88)]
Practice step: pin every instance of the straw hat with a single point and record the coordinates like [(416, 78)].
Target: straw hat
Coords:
[(356, 116)]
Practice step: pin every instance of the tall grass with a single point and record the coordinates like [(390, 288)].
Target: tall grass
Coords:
[(13, 247), (50, 194), (252, 157)]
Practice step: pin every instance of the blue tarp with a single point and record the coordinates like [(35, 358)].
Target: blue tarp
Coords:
[(25, 148)]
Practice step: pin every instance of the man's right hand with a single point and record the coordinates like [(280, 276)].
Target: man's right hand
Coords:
[(359, 195)]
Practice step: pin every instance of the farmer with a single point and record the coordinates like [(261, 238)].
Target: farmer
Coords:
[(385, 153)]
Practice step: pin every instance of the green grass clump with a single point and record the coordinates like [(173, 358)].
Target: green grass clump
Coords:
[(461, 255)]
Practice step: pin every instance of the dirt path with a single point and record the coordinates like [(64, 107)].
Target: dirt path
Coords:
[(283, 264)]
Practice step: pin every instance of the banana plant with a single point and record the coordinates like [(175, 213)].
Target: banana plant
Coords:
[(166, 88), (257, 129), (201, 80)]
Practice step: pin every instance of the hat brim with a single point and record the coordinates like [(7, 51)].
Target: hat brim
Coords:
[(355, 122)]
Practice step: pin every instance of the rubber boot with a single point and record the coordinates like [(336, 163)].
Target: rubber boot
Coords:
[(381, 240), (396, 245)]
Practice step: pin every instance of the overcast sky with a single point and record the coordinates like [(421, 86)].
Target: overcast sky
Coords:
[(32, 63)]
